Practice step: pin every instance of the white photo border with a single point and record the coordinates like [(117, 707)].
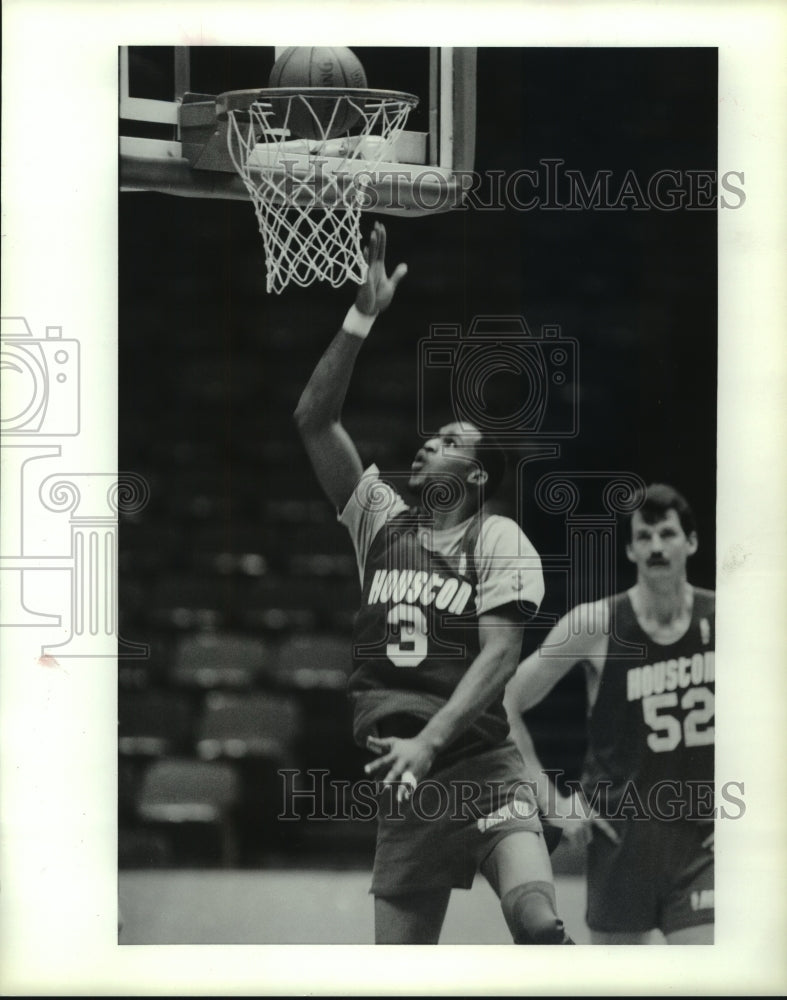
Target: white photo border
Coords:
[(59, 226)]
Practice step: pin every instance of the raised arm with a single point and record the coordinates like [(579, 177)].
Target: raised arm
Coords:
[(318, 414)]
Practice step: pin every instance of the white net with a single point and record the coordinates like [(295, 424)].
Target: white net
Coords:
[(308, 193)]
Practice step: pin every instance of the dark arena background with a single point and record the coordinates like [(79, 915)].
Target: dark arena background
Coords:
[(236, 573)]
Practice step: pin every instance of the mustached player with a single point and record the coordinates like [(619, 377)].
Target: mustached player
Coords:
[(444, 598), (648, 656)]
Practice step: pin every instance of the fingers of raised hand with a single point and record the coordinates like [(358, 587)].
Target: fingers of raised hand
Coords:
[(376, 245), (373, 244), (399, 273)]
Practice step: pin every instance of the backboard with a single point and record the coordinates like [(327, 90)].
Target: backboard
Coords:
[(172, 141)]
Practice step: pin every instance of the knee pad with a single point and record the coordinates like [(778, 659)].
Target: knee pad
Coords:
[(531, 914)]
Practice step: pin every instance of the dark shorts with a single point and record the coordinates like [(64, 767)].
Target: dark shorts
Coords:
[(658, 876), (456, 817)]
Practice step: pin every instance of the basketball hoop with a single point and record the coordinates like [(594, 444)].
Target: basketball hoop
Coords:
[(308, 193)]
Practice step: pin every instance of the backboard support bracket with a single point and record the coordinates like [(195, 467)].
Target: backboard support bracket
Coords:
[(203, 137), (195, 161)]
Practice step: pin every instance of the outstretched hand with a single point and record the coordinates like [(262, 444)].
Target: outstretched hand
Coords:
[(403, 762), (376, 293)]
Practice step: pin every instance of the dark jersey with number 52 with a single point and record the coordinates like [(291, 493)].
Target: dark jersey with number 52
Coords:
[(652, 723), (416, 632)]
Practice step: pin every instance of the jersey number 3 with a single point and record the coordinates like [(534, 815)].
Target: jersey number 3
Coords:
[(667, 730), (411, 645)]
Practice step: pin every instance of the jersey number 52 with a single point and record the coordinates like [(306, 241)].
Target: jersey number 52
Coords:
[(697, 729)]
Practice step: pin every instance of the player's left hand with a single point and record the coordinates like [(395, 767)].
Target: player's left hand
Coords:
[(375, 294), (404, 762)]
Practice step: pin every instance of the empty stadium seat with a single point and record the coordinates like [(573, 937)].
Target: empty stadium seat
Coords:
[(315, 661), (261, 725), (220, 660), (154, 724), (258, 448), (322, 550), (316, 666), (196, 493), (244, 547), (140, 674), (144, 848), (288, 602), (146, 546), (261, 733), (182, 601), (195, 801), (287, 511), (323, 564), (132, 597)]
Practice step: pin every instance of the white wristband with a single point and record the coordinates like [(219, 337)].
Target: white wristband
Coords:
[(357, 323)]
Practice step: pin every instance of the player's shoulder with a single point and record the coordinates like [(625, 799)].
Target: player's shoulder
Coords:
[(375, 496), (582, 633), (497, 529), (590, 618)]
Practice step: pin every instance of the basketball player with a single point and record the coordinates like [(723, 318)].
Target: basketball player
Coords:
[(437, 637), (648, 656)]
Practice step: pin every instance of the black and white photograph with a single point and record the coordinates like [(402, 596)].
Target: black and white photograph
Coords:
[(559, 316), (431, 436)]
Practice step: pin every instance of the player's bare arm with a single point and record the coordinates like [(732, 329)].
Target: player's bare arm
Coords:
[(409, 760), (569, 812), (545, 792), (579, 635), (331, 451)]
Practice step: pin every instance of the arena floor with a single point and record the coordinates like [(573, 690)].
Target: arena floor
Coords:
[(299, 906)]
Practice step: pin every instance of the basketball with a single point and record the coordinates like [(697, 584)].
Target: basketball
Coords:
[(319, 118)]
